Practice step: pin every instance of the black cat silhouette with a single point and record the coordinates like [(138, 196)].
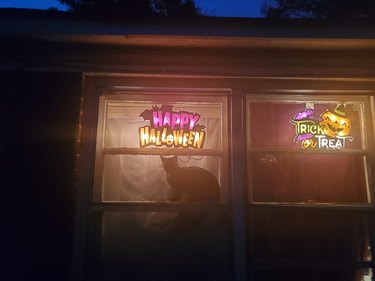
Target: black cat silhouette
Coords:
[(190, 184)]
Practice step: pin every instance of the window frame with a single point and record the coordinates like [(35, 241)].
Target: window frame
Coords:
[(157, 96)]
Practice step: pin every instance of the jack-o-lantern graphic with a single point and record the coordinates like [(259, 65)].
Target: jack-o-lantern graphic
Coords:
[(335, 123)]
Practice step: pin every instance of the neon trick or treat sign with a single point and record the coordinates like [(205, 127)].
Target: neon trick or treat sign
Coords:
[(329, 130), (171, 128)]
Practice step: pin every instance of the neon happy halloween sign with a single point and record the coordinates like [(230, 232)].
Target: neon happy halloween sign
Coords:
[(171, 128), (329, 130)]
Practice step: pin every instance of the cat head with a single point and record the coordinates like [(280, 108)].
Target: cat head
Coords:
[(169, 163)]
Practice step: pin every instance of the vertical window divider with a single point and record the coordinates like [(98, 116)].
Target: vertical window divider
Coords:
[(238, 190)]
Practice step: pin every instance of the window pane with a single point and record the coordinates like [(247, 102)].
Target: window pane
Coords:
[(318, 235), (308, 178), (312, 125), (150, 246), (134, 124), (144, 178)]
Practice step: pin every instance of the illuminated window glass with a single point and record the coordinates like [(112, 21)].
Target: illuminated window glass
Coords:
[(134, 131), (308, 150), (308, 164)]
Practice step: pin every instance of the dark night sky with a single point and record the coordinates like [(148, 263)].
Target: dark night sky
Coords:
[(224, 8)]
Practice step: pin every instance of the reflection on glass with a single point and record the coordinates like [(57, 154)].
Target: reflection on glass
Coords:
[(309, 235), (308, 178)]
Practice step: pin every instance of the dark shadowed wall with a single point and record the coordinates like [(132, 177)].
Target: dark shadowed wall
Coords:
[(39, 117)]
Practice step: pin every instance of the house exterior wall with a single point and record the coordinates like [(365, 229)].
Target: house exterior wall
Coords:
[(44, 86)]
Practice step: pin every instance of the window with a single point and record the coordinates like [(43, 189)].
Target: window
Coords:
[(294, 174), (150, 219), (134, 131), (306, 152)]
